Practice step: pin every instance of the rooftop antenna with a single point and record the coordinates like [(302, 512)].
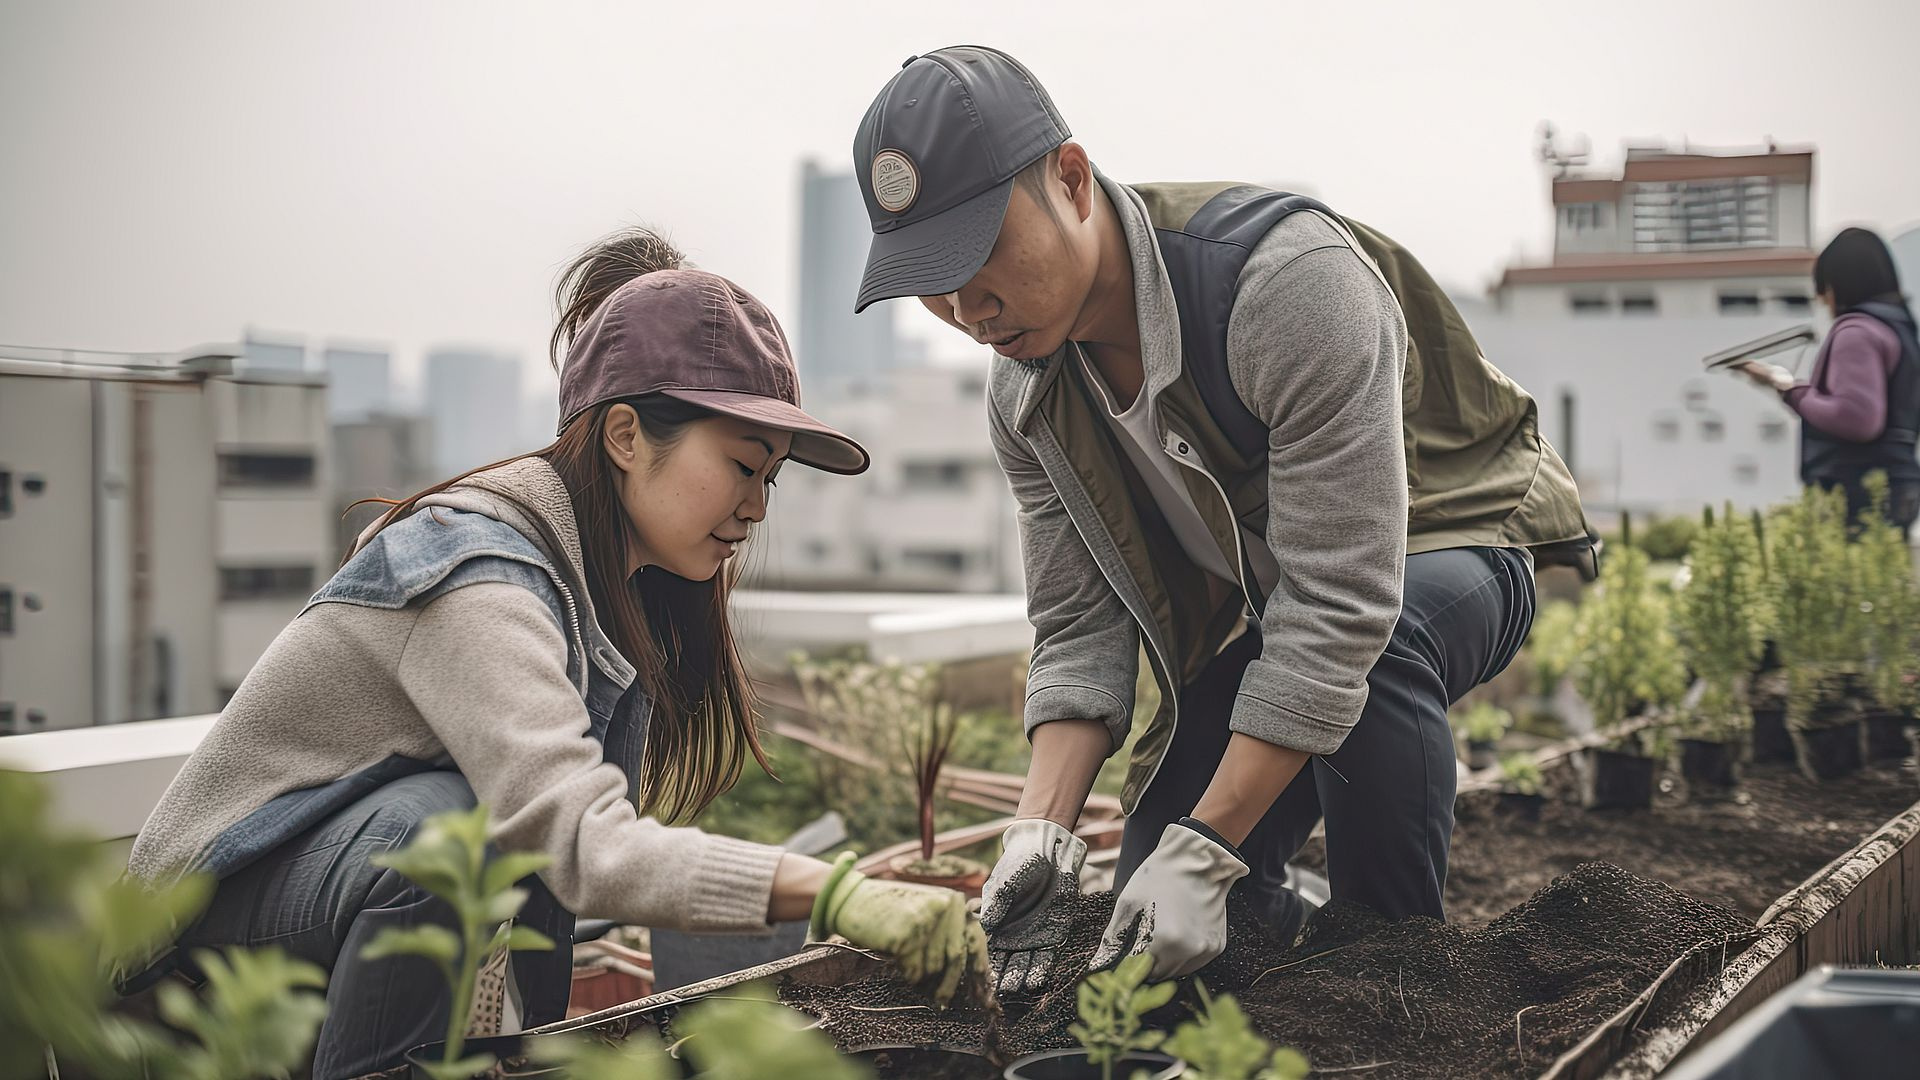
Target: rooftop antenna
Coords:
[(1561, 159)]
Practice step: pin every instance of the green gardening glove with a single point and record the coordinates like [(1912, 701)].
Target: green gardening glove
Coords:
[(927, 930)]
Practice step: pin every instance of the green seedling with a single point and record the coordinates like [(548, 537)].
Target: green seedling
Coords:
[(1625, 654), (1722, 615), (1485, 722), (69, 922), (1219, 1043), (449, 859), (1112, 1004), (1520, 774)]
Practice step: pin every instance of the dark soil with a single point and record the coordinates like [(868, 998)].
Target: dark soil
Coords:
[(1416, 998), (1741, 853)]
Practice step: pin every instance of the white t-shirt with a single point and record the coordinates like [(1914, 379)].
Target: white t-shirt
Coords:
[(1141, 442)]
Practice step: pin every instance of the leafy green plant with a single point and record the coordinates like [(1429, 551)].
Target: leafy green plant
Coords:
[(69, 921), (1112, 1004), (1891, 602), (743, 1035), (1722, 613), (1550, 644), (1817, 595), (868, 707), (448, 858), (1486, 722), (1520, 774), (1625, 653), (1219, 1043)]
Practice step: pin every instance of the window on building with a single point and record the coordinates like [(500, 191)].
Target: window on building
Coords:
[(1773, 429), (1666, 428), (1746, 470), (1792, 303), (817, 550), (1685, 215), (6, 610), (1712, 428), (6, 717), (934, 560), (1590, 303), (934, 475), (266, 582), (6, 493), (266, 470), (1642, 304), (1583, 217), (1739, 303), (1694, 395)]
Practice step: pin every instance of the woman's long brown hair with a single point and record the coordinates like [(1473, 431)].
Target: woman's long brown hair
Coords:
[(676, 633)]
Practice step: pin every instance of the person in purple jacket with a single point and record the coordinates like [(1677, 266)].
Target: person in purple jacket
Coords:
[(1860, 407)]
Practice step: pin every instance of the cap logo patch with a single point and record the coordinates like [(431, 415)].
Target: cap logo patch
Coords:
[(896, 183)]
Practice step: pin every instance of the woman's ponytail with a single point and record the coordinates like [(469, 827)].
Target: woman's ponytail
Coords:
[(597, 272)]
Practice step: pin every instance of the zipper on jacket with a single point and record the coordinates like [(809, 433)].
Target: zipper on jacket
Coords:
[(1177, 449)]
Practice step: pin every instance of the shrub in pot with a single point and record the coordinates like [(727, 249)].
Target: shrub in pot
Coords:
[(1721, 616), (1891, 610), (1483, 724), (1626, 660), (1520, 787), (1113, 1037), (1818, 595)]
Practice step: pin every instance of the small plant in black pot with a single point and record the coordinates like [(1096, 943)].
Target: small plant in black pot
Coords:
[(1818, 596), (1114, 1039), (1219, 1043), (1483, 723), (1721, 615), (1891, 609), (1626, 659), (1520, 782)]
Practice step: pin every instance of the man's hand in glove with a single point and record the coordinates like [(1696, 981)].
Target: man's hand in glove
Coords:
[(928, 931), (1175, 906), (1024, 904)]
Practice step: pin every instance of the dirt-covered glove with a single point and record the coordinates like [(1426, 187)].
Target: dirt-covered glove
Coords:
[(1175, 906), (927, 930), (1023, 905)]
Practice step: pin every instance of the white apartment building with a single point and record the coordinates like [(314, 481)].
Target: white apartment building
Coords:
[(162, 517), (1688, 233), (933, 513)]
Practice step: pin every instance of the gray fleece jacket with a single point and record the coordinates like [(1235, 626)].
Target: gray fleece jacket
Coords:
[(483, 677)]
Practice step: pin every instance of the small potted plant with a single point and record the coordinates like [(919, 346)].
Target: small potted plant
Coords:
[(1483, 724), (1817, 600), (927, 740), (1520, 781), (1891, 610), (1626, 660), (1721, 614), (1113, 1037), (1219, 1043)]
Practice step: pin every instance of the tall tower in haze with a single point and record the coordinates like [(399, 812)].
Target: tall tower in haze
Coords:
[(835, 346)]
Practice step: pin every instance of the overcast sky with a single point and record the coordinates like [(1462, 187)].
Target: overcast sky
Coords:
[(416, 172)]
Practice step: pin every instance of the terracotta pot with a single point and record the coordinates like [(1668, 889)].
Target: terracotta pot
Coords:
[(968, 883)]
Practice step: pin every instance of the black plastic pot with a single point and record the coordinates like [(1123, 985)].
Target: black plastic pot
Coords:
[(1770, 739), (1616, 780), (1883, 735), (1481, 755), (923, 1062), (1830, 752), (1524, 807), (1710, 768), (503, 1047), (1073, 1065)]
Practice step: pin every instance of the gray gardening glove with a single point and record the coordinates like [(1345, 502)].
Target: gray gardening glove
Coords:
[(1024, 904), (1175, 906)]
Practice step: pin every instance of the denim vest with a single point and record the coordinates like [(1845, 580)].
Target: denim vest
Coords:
[(413, 561)]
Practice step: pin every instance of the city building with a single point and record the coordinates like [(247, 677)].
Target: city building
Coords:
[(932, 514), (473, 400), (162, 517), (359, 381), (1674, 233), (834, 344)]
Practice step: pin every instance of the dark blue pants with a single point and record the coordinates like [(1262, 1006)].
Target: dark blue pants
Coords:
[(320, 898), (1387, 793)]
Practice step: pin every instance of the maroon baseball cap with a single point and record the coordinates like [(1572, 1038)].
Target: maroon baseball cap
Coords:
[(698, 338)]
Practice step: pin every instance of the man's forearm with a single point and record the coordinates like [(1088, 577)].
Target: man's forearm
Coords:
[(1066, 757), (1252, 774)]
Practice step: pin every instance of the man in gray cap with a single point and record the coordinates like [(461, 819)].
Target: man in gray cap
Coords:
[(1255, 436)]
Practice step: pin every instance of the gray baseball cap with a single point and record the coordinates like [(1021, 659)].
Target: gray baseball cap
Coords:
[(936, 155)]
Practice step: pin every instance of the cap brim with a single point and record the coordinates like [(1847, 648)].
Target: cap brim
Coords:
[(936, 255), (814, 443)]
